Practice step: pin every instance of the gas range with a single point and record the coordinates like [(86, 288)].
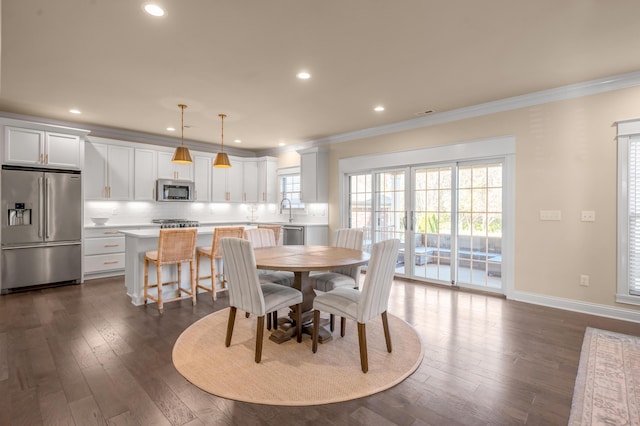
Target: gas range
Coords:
[(176, 223)]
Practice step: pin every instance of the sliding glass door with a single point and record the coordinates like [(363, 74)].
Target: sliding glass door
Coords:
[(448, 218)]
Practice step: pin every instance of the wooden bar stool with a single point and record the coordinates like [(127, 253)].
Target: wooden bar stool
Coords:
[(214, 253), (175, 246)]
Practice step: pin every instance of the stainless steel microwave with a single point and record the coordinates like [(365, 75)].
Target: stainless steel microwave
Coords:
[(175, 190)]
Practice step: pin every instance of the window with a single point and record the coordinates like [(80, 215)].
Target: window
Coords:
[(290, 189), (629, 212)]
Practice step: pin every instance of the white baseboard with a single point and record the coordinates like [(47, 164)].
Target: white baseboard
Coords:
[(576, 306)]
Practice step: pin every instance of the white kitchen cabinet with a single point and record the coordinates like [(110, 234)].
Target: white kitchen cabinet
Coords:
[(235, 181), (108, 172), (202, 165), (103, 253), (314, 175), (250, 181), (145, 174), (219, 185), (167, 169), (267, 180), (39, 148)]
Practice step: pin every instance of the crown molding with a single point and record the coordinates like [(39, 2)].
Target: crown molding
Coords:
[(130, 135), (592, 87)]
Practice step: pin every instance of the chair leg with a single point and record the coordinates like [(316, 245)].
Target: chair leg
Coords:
[(269, 321), (387, 335), (299, 322), (193, 284), (232, 320), (213, 278), (343, 326), (146, 280), (259, 334), (316, 329), (332, 321), (197, 268), (362, 342), (246, 314), (159, 274), (275, 319)]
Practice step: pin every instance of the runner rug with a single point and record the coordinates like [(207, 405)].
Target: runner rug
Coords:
[(607, 389), (289, 373)]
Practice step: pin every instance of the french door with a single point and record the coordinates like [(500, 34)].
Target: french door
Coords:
[(448, 218)]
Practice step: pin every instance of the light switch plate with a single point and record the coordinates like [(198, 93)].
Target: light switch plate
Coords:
[(550, 215)]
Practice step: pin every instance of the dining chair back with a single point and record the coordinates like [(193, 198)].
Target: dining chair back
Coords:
[(276, 232), (175, 247), (212, 253), (264, 237), (248, 294), (260, 237), (351, 238), (350, 303)]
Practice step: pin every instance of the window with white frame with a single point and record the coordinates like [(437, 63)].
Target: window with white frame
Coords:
[(289, 186), (629, 212)]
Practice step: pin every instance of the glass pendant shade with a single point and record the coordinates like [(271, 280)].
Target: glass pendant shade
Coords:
[(182, 155)]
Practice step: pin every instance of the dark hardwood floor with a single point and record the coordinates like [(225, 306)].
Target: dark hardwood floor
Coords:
[(85, 355)]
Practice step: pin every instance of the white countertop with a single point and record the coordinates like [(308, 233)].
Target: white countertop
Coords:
[(203, 224)]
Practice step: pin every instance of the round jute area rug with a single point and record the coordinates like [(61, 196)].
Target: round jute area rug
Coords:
[(290, 373)]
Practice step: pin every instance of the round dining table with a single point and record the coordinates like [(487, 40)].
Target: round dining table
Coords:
[(301, 260)]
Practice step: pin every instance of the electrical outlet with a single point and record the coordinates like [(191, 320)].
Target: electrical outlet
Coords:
[(584, 280), (588, 216)]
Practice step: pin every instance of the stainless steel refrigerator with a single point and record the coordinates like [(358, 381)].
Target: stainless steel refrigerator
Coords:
[(41, 227)]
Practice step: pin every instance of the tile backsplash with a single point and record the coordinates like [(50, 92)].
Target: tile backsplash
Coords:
[(141, 212)]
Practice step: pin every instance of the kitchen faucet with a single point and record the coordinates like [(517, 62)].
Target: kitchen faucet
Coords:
[(282, 207)]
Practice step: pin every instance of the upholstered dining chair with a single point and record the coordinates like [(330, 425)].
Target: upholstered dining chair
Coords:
[(248, 294), (263, 237), (361, 307), (175, 247), (351, 238), (277, 229), (213, 253)]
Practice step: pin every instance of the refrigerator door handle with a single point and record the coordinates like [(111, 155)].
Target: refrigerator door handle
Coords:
[(40, 208), (47, 197)]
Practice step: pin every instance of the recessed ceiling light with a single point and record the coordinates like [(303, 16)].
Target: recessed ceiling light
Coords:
[(237, 141), (281, 144), (154, 10), (171, 129), (303, 75), (379, 108), (75, 111)]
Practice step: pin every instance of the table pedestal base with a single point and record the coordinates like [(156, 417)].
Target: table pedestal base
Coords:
[(287, 331)]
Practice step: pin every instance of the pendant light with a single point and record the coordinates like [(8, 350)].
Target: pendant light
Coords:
[(182, 155), (222, 160)]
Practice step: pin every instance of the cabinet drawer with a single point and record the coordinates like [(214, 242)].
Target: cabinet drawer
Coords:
[(102, 232), (103, 262), (103, 245)]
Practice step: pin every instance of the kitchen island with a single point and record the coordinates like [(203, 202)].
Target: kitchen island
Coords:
[(137, 243)]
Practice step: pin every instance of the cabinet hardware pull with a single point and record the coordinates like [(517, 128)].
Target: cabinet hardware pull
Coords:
[(46, 159), (42, 158), (111, 232), (110, 262), (112, 245)]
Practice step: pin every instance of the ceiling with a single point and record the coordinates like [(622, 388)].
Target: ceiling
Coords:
[(126, 70)]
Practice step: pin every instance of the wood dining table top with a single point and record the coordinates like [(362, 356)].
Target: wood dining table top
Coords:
[(308, 258)]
